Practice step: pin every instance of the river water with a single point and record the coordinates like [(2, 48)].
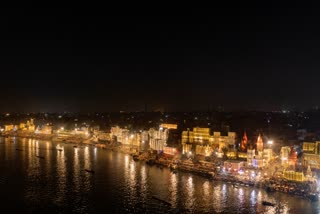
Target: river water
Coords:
[(58, 183)]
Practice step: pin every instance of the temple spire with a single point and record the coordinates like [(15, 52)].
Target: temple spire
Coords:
[(259, 143), (244, 142)]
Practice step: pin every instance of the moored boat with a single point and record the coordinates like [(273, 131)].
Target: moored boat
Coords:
[(90, 171), (41, 157), (267, 203)]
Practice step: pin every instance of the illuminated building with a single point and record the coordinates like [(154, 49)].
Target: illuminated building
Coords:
[(260, 156), (284, 155), (158, 138), (154, 138), (45, 129), (169, 126), (293, 175), (244, 142), (204, 150), (251, 153), (258, 160), (8, 127), (292, 161), (242, 155), (267, 155), (311, 147), (82, 131), (311, 154), (259, 144), (31, 126), (157, 144), (145, 140), (170, 151), (309, 175), (103, 136), (22, 126), (122, 135), (199, 138)]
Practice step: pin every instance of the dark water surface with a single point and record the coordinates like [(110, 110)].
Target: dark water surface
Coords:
[(58, 183)]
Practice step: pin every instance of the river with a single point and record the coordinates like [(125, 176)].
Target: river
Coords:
[(58, 183)]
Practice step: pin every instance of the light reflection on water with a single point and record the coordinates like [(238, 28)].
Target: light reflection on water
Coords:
[(119, 185), (173, 188), (61, 177), (190, 193)]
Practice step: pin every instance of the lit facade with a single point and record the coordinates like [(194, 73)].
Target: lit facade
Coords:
[(169, 126), (311, 154), (251, 153), (284, 155), (267, 155), (170, 151), (157, 144), (244, 142), (260, 156), (158, 138), (8, 128), (199, 138), (294, 176), (204, 150), (46, 129)]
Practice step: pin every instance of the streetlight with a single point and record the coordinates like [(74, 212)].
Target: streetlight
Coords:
[(270, 142)]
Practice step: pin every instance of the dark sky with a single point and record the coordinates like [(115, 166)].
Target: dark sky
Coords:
[(238, 58)]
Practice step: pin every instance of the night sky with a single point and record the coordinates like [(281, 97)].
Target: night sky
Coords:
[(237, 58)]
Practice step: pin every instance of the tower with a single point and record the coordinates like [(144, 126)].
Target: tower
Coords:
[(244, 142), (293, 157), (259, 144)]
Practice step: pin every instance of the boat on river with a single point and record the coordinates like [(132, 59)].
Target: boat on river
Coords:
[(267, 203), (163, 201), (89, 170), (313, 197), (135, 157), (41, 157)]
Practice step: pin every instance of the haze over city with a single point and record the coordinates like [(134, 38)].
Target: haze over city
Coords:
[(66, 60)]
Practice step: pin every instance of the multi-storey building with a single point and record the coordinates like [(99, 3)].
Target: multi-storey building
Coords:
[(311, 154), (200, 141), (260, 156), (284, 155)]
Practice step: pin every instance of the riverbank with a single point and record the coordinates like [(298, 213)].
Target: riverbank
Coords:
[(305, 190), (202, 168)]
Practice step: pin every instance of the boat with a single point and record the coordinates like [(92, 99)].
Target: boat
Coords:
[(266, 203), (150, 161), (90, 171), (163, 201), (135, 157), (313, 197), (41, 157), (173, 166), (269, 189)]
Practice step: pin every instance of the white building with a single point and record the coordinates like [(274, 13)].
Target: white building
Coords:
[(284, 155)]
